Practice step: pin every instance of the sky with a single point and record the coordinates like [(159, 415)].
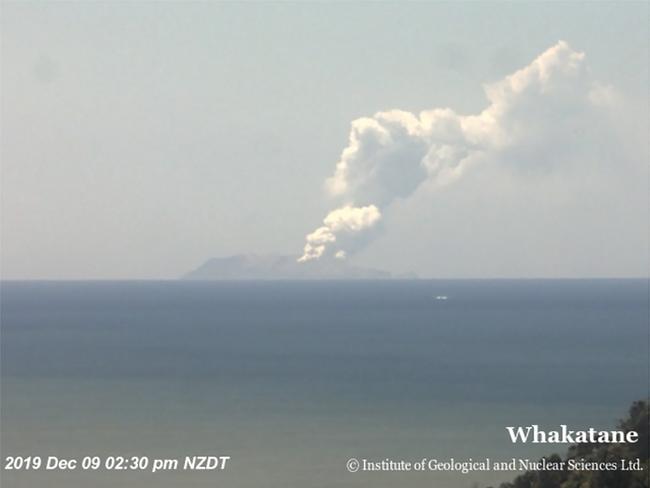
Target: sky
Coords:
[(139, 139)]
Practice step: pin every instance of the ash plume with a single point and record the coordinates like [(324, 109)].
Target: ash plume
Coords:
[(530, 119)]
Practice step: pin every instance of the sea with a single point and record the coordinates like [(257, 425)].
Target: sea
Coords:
[(293, 379)]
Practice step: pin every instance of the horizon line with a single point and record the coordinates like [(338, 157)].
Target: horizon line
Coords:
[(181, 279)]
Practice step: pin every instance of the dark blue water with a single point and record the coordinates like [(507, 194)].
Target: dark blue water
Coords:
[(292, 378)]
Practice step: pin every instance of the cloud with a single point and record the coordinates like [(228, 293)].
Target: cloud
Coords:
[(535, 118)]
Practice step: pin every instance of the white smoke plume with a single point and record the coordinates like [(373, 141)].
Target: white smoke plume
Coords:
[(532, 116)]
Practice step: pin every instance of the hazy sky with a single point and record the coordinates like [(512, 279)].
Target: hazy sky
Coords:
[(141, 138)]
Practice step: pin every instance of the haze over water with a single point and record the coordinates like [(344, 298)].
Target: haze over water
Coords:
[(291, 379)]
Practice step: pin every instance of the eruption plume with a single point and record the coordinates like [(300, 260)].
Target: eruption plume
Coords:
[(530, 119)]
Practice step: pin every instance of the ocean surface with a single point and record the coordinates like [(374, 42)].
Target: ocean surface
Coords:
[(291, 379)]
